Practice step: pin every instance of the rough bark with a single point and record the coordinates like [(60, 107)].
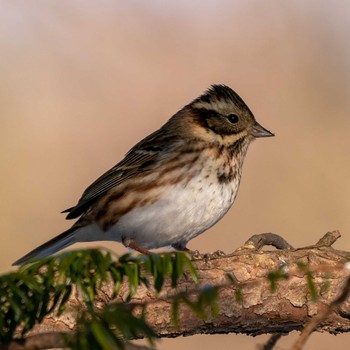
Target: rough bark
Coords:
[(260, 311)]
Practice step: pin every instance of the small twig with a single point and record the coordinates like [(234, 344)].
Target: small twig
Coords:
[(258, 241), (321, 316), (328, 239), (271, 342)]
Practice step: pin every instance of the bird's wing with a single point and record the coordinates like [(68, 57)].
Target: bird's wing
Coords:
[(142, 157)]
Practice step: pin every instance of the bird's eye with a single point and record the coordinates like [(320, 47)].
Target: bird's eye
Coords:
[(233, 118)]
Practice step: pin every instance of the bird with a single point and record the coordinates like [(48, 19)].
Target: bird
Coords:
[(171, 186)]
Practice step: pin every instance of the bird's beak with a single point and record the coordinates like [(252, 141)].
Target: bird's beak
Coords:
[(258, 131)]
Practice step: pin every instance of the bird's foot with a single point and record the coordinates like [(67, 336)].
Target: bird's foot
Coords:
[(218, 254), (195, 254), (213, 255)]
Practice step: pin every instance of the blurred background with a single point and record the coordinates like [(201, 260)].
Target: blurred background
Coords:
[(83, 81)]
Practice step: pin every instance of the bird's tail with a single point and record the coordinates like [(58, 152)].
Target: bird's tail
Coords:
[(52, 246)]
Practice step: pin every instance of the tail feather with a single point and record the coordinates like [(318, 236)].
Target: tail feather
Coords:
[(52, 246)]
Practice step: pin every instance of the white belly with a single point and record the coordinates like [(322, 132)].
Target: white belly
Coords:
[(182, 213)]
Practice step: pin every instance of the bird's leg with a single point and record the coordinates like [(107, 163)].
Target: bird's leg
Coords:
[(181, 247), (129, 243)]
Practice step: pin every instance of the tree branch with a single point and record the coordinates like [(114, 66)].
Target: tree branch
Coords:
[(322, 315), (261, 311)]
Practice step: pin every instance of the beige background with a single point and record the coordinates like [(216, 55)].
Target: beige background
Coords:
[(82, 81)]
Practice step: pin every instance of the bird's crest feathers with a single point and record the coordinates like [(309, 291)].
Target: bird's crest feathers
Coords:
[(217, 93)]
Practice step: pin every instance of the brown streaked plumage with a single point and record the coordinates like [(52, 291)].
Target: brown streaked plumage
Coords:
[(172, 185)]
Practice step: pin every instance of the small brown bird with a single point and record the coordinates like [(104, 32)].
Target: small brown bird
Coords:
[(171, 186)]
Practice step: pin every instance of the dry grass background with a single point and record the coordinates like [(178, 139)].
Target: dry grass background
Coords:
[(82, 81)]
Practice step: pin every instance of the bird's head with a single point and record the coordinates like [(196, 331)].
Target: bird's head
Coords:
[(220, 114)]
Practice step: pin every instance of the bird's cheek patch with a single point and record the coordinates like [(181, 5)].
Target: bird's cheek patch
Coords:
[(230, 139)]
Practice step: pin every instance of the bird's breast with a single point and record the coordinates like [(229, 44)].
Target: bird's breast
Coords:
[(181, 211)]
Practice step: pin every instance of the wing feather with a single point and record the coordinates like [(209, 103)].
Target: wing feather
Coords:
[(142, 157)]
